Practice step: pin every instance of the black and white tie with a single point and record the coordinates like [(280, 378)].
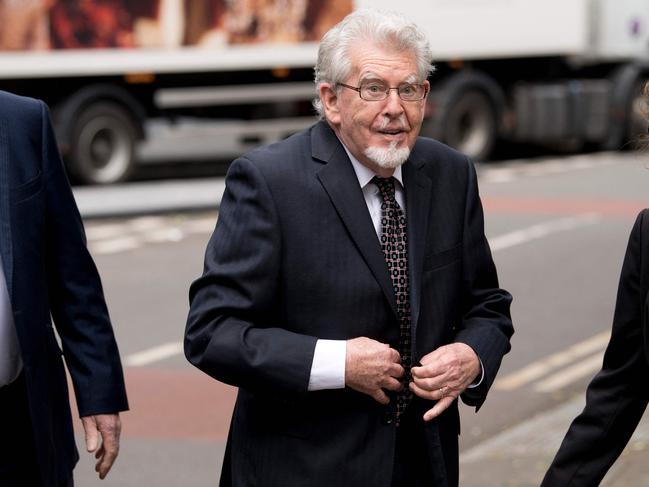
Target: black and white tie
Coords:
[(394, 243)]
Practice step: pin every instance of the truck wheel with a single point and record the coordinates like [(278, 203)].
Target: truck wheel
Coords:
[(103, 144), (469, 124)]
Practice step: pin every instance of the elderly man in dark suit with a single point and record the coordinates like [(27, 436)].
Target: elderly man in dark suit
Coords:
[(348, 288), (47, 273)]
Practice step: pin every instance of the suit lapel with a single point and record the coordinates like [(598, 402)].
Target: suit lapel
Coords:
[(341, 184), (418, 196), (5, 217)]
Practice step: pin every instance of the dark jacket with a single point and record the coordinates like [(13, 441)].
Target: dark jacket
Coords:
[(50, 275), (618, 395), (295, 257)]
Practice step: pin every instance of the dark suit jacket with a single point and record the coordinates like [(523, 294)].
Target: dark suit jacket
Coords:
[(294, 257), (50, 274), (618, 394)]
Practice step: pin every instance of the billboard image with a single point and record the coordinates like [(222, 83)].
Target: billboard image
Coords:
[(87, 24)]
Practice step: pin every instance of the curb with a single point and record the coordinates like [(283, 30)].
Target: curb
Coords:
[(132, 199)]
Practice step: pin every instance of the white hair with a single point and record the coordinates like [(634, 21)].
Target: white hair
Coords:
[(388, 29)]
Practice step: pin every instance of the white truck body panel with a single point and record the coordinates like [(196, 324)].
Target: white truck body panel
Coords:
[(95, 62), (457, 30), (484, 29), (620, 29)]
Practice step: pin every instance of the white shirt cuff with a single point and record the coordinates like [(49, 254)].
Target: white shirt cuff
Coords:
[(477, 382), (328, 368)]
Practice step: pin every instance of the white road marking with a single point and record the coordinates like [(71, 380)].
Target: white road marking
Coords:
[(568, 375), (515, 169), (154, 354), (110, 238), (115, 245), (541, 230), (145, 223), (546, 365), (105, 231), (171, 234)]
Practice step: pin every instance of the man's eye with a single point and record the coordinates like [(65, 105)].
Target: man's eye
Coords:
[(375, 88), (407, 89)]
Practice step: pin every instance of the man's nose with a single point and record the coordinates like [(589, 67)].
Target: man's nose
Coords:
[(393, 103)]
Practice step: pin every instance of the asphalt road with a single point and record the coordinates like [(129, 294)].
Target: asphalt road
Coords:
[(558, 229)]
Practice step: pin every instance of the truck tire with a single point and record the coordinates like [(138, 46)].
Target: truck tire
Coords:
[(467, 111), (102, 144), (469, 125)]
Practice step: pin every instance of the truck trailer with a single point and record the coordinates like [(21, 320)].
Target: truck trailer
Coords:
[(239, 73)]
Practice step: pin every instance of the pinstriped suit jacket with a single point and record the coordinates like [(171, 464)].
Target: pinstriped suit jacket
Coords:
[(294, 257)]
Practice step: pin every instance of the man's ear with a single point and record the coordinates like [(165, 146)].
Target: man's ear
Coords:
[(427, 85), (329, 100)]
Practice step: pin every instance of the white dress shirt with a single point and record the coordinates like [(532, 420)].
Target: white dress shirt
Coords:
[(10, 360), (328, 367)]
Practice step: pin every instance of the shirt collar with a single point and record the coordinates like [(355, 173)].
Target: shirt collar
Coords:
[(365, 174)]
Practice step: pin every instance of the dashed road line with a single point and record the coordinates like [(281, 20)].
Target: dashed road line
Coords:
[(105, 231), (111, 238), (541, 230), (516, 169), (542, 367), (115, 245), (570, 374), (155, 354)]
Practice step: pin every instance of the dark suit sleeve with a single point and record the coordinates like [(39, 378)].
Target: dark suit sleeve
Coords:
[(486, 323), (617, 396), (75, 293), (232, 332)]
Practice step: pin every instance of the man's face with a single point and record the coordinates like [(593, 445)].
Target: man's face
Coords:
[(377, 133)]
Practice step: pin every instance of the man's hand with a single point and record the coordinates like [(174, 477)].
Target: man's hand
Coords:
[(372, 366), (444, 374), (108, 426)]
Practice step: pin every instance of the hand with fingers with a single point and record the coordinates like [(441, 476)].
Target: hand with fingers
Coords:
[(371, 367), (443, 375), (102, 433)]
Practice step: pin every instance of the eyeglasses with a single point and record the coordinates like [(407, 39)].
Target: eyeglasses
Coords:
[(378, 91)]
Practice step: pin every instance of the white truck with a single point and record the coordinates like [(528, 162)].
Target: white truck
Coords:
[(221, 76)]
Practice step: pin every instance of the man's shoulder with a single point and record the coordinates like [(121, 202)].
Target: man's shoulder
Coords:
[(439, 160), (431, 149), (293, 151), (13, 107)]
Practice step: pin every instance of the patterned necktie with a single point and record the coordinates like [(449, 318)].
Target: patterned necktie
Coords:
[(394, 243)]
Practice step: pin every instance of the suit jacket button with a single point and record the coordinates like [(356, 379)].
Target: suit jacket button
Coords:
[(388, 417)]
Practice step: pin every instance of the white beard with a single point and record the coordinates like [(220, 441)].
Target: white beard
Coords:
[(388, 157)]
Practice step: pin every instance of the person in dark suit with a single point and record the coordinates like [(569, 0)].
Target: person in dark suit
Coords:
[(617, 396), (348, 288), (47, 273)]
